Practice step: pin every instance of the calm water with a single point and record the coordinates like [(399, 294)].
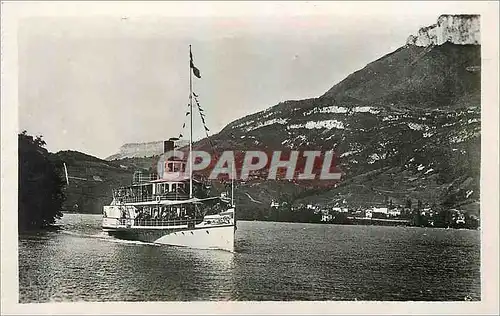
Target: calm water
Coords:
[(273, 261)]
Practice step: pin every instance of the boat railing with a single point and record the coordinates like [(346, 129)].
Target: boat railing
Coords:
[(141, 178), (160, 222), (151, 198), (175, 195), (136, 199)]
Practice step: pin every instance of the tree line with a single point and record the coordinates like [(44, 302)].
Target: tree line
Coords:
[(40, 184)]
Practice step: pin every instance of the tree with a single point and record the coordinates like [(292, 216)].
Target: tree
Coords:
[(40, 194)]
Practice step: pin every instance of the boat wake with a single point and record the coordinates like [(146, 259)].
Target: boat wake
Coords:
[(105, 237)]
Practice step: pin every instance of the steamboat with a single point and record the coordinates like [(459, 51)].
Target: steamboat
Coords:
[(171, 206)]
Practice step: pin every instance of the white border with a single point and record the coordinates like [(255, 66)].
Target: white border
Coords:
[(12, 11)]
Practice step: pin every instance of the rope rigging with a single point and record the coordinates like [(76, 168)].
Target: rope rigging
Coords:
[(201, 111), (184, 124), (205, 127)]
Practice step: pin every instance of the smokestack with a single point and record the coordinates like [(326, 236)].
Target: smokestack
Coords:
[(168, 145)]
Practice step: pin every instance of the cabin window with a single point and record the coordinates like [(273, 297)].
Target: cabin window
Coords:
[(170, 167), (177, 167), (160, 188)]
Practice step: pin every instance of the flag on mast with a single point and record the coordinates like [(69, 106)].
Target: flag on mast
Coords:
[(196, 71)]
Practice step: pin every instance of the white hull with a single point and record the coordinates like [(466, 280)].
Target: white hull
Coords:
[(214, 232), (202, 238)]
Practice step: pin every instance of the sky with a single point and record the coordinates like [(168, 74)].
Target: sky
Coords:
[(93, 83)]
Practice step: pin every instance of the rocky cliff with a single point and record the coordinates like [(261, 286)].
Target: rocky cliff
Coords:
[(139, 150), (131, 150), (456, 29)]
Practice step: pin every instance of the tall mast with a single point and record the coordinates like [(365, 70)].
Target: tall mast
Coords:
[(190, 127)]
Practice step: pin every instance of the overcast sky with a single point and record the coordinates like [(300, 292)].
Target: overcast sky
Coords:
[(94, 83)]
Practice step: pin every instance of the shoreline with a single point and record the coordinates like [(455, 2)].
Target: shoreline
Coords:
[(358, 221)]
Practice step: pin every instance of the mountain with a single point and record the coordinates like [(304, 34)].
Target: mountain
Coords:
[(405, 127), (91, 179)]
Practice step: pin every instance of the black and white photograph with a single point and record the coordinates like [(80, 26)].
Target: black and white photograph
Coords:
[(250, 153)]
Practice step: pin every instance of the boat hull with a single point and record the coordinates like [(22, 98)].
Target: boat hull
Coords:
[(213, 237)]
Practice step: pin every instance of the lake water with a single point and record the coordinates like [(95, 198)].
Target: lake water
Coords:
[(273, 261)]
